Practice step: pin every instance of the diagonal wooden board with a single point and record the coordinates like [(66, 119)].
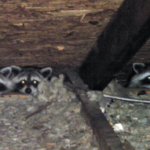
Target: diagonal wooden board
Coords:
[(106, 137), (120, 40)]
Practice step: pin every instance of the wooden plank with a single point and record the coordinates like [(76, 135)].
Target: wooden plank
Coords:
[(118, 43), (106, 137), (12, 94)]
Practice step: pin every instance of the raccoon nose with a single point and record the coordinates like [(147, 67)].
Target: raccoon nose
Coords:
[(28, 91)]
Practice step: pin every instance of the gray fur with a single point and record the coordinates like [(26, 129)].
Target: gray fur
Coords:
[(6, 84), (30, 76), (141, 77), (11, 76)]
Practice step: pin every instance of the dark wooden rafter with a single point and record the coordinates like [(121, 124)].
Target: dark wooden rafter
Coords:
[(106, 137), (118, 43)]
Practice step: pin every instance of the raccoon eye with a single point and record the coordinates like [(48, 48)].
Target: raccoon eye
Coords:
[(23, 82), (35, 82), (148, 77)]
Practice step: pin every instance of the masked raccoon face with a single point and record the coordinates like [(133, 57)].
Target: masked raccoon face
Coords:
[(28, 84), (142, 76), (27, 81)]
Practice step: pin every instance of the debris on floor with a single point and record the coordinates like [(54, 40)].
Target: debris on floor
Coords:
[(130, 120), (58, 127)]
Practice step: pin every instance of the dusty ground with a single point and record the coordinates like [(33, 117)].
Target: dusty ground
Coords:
[(60, 125)]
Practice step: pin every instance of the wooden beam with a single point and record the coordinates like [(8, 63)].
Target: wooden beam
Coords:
[(103, 131), (118, 43)]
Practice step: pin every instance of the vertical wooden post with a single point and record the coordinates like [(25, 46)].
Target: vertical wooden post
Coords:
[(118, 43)]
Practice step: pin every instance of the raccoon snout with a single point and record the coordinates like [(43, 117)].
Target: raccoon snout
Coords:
[(28, 90)]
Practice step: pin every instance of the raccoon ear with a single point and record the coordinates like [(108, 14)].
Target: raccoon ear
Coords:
[(138, 67), (6, 71), (46, 72), (16, 70)]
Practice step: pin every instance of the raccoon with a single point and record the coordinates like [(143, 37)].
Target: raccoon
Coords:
[(141, 77), (6, 84), (28, 79)]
